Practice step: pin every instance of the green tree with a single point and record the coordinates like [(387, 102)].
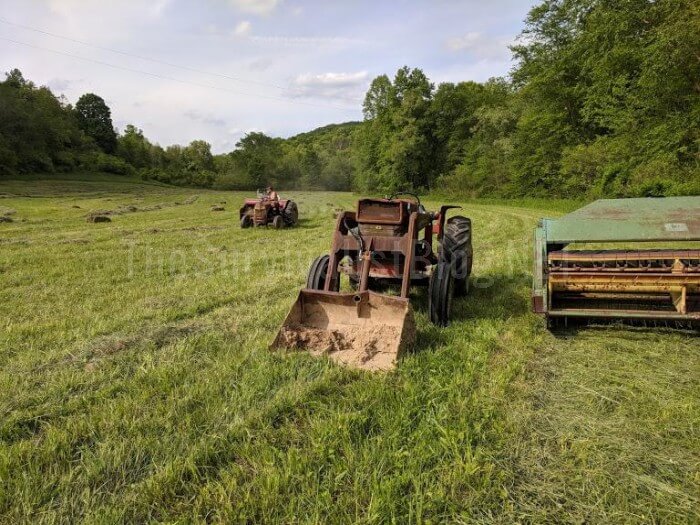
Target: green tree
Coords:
[(134, 148), (95, 119), (258, 156), (396, 141), (610, 98), (38, 132), (484, 155)]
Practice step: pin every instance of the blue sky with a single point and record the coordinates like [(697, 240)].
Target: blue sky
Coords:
[(216, 69)]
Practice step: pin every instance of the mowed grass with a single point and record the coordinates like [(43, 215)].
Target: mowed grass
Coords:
[(136, 384)]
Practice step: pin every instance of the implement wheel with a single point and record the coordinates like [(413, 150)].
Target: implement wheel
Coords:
[(440, 292), (316, 279), (457, 248)]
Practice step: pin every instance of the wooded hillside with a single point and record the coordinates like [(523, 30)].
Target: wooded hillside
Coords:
[(604, 100)]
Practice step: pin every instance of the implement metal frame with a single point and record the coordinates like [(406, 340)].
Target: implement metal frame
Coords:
[(609, 275)]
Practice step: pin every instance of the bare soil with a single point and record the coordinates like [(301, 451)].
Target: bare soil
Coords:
[(372, 348)]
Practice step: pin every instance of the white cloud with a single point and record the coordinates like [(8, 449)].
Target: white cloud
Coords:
[(204, 118), (345, 86), (467, 41), (243, 28), (59, 85), (79, 9), (331, 79), (260, 64), (256, 7), (158, 7), (307, 40), (480, 45)]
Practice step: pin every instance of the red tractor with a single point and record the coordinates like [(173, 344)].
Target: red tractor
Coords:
[(385, 242), (262, 211)]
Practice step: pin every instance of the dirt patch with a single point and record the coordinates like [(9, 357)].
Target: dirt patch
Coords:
[(5, 218), (360, 347), (217, 207)]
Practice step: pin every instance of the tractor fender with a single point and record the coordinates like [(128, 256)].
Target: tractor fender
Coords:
[(440, 218)]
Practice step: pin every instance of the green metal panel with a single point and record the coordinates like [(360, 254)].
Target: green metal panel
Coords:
[(620, 220)]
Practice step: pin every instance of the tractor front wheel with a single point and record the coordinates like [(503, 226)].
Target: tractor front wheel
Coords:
[(246, 221), (277, 222), (440, 292), (316, 279), (457, 249)]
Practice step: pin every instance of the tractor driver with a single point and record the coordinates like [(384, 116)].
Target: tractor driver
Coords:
[(271, 195)]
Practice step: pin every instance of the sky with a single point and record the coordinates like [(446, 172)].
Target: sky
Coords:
[(217, 69)]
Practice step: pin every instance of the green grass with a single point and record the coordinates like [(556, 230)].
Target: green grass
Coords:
[(136, 384)]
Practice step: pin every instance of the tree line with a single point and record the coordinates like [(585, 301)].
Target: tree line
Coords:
[(42, 133), (603, 100)]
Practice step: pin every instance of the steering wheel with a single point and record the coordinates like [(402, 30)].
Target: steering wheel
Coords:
[(402, 193)]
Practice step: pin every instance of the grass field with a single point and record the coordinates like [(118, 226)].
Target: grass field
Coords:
[(136, 384)]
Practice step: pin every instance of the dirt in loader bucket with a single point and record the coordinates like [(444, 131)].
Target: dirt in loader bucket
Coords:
[(362, 330)]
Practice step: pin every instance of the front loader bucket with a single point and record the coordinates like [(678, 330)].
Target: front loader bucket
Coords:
[(363, 330)]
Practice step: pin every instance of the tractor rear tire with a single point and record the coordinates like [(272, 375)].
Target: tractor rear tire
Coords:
[(277, 222), (440, 292), (246, 221), (291, 213), (457, 249), (316, 279)]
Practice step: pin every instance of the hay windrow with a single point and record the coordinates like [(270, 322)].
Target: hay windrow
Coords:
[(97, 217)]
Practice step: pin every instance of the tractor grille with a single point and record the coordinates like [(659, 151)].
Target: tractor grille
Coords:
[(382, 230), (260, 214)]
